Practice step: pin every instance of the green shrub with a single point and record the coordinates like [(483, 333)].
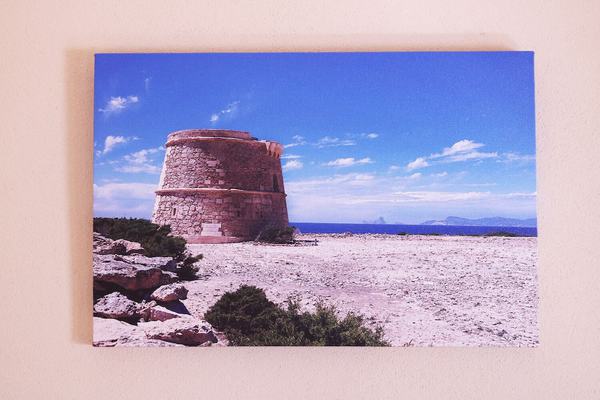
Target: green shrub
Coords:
[(249, 318), (501, 234), (155, 239), (277, 235), (187, 269)]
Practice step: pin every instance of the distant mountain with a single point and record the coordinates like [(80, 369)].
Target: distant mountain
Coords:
[(492, 221), (378, 221)]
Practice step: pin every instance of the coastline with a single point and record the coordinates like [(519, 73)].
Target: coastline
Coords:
[(424, 290), (411, 229)]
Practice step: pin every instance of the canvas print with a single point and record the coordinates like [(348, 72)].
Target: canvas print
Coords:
[(315, 199)]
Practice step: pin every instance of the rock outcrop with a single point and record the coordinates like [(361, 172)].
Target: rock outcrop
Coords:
[(111, 333), (104, 245), (160, 313), (137, 273), (166, 264), (139, 300), (171, 292), (117, 306), (185, 330)]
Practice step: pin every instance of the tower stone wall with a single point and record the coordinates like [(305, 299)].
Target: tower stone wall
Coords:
[(220, 186)]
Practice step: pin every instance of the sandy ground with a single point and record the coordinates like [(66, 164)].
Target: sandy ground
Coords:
[(423, 290)]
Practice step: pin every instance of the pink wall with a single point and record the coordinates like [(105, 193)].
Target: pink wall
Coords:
[(46, 76)]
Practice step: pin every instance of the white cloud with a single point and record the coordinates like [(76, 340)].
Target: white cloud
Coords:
[(228, 112), (297, 141), (435, 197), (329, 182), (347, 189), (393, 168), (440, 175), (325, 141), (418, 163), (290, 157), (135, 169), (141, 162), (517, 195), (117, 199), (516, 157), (117, 104), (292, 165), (463, 150), (348, 162), (413, 197), (461, 146), (140, 157), (474, 155), (356, 197), (330, 141), (113, 141), (132, 190)]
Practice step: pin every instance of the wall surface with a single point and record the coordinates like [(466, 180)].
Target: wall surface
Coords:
[(46, 72), (221, 164), (217, 217)]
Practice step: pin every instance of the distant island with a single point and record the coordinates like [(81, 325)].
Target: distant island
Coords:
[(378, 221), (491, 221)]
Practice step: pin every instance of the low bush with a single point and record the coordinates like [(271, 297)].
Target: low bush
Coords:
[(187, 269), (277, 235), (501, 234), (155, 239), (249, 318)]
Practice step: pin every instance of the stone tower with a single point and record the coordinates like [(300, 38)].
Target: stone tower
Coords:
[(220, 186)]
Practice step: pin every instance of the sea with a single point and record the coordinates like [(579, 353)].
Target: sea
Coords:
[(317, 227)]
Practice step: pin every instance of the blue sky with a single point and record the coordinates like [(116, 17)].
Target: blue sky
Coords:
[(403, 136)]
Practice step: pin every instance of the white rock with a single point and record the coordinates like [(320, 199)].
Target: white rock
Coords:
[(160, 313), (185, 330), (111, 333), (117, 270), (117, 306), (131, 247), (164, 263), (171, 292), (104, 245)]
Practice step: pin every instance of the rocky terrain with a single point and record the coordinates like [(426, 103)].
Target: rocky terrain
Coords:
[(423, 290), (138, 300)]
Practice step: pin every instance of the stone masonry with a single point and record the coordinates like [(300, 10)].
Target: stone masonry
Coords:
[(220, 186)]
